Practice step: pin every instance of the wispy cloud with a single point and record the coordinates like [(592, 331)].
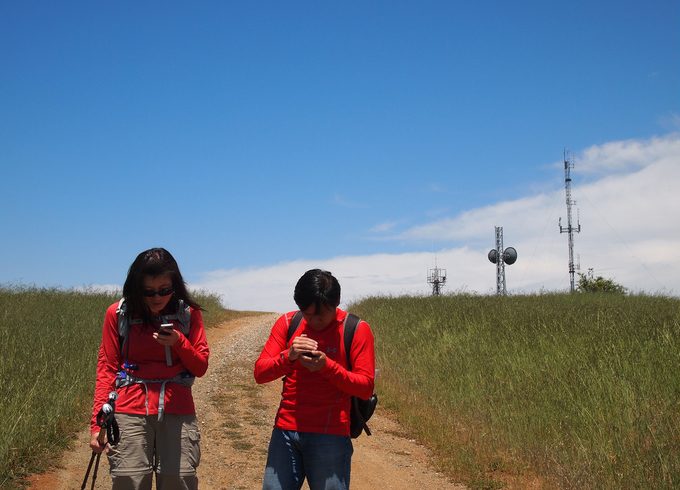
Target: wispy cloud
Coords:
[(670, 121), (629, 228), (436, 188), (342, 201), (436, 212), (383, 227)]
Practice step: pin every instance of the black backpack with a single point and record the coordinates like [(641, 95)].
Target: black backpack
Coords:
[(361, 410)]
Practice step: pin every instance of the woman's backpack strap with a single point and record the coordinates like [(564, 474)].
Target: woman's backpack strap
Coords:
[(184, 316), (123, 324)]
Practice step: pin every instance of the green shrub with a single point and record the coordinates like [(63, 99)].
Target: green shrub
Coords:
[(590, 284)]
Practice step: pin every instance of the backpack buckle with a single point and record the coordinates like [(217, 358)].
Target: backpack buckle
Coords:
[(130, 367)]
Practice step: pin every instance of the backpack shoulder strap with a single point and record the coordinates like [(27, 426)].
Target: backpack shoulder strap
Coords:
[(123, 321), (123, 324), (358, 415), (350, 325), (351, 322), (294, 324), (121, 308), (184, 316)]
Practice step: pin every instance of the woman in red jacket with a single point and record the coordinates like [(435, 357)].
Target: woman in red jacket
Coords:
[(152, 368), (311, 432)]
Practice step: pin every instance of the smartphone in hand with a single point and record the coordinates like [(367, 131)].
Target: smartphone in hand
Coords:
[(165, 329), (310, 355)]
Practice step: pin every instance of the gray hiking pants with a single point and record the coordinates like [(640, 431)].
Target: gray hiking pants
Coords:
[(170, 449)]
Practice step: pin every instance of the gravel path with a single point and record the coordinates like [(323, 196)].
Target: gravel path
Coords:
[(236, 416)]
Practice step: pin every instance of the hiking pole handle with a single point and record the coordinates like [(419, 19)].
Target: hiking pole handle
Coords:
[(106, 412), (107, 422), (104, 415), (101, 438)]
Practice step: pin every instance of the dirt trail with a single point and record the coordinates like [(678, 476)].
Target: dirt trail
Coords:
[(236, 417)]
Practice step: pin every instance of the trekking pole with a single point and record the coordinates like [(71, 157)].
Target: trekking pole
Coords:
[(94, 475), (109, 427), (89, 467)]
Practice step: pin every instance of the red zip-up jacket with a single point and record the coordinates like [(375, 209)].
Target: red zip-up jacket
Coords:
[(190, 353), (318, 401)]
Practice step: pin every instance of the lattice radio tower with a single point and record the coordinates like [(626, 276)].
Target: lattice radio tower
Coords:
[(569, 229), (436, 278), (501, 257)]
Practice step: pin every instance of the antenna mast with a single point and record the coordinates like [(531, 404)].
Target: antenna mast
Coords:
[(436, 278), (501, 257), (500, 264), (569, 229)]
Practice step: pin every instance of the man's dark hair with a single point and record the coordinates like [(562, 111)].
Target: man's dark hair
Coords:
[(317, 287), (154, 262)]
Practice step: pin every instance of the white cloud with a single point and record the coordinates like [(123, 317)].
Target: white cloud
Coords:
[(475, 224), (271, 288), (624, 156), (630, 229)]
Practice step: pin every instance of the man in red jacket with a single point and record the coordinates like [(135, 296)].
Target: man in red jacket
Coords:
[(311, 430)]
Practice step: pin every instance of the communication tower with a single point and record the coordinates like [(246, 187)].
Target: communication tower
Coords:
[(501, 257), (436, 278), (569, 229)]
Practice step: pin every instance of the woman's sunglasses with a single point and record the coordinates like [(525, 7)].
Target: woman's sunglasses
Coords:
[(160, 292)]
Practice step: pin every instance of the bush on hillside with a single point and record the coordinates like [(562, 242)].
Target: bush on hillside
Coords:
[(589, 284)]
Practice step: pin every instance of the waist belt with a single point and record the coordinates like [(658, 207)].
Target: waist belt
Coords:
[(126, 379)]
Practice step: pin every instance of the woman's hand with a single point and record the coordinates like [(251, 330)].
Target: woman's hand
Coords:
[(95, 443), (166, 336)]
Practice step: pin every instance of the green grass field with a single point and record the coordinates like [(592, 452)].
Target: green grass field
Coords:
[(48, 357), (582, 390)]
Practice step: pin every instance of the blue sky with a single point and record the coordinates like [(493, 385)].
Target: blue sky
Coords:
[(256, 140)]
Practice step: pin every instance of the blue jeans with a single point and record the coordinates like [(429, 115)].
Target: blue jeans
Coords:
[(324, 459)]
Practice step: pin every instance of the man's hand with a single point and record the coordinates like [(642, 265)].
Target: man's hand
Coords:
[(300, 346), (315, 361)]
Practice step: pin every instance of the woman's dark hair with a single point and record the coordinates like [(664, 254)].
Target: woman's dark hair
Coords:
[(317, 287), (154, 262)]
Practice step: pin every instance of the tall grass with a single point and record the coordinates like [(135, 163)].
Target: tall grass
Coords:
[(48, 356), (583, 390)]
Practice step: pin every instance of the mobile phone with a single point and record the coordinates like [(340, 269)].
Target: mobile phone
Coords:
[(309, 355), (163, 330)]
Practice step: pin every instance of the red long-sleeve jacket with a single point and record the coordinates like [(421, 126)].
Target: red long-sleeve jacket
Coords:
[(190, 353), (318, 401)]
